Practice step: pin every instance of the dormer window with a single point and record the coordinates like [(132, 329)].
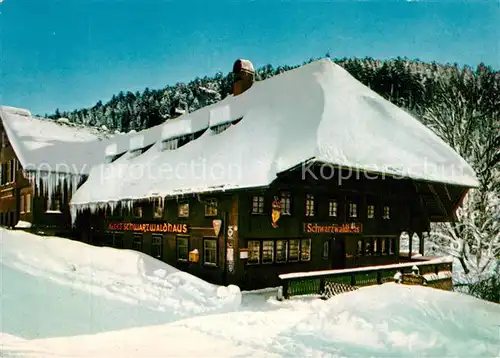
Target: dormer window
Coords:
[(112, 158), (139, 151), (221, 128), (170, 144)]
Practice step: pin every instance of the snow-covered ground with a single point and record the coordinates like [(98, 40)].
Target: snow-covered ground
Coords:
[(62, 298)]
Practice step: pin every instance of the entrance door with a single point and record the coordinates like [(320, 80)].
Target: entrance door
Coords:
[(338, 252)]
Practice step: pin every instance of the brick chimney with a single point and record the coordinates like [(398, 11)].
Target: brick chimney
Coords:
[(244, 75)]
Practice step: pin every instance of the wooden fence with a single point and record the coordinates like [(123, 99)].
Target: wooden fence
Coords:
[(436, 273)]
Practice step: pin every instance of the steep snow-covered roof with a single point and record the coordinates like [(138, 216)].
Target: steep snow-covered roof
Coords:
[(316, 112), (50, 145)]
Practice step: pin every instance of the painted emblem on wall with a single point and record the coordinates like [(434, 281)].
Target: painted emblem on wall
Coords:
[(276, 212), (217, 225)]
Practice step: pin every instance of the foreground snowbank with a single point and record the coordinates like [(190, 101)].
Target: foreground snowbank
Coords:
[(389, 320), (101, 302), (129, 277)]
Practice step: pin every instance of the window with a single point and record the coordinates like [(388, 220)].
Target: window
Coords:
[(359, 249), (182, 248), (211, 207), (221, 128), (137, 242), (392, 246), (22, 204), (28, 203), (12, 177), (267, 251), (294, 250), (285, 203), (156, 246), (137, 212), (383, 247), (353, 210), (118, 241), (107, 240), (309, 205), (183, 210), (281, 250), (370, 211), (332, 208), (8, 172), (54, 206), (305, 250), (210, 252), (258, 205), (368, 247), (253, 252), (326, 249), (387, 213), (170, 144), (158, 208)]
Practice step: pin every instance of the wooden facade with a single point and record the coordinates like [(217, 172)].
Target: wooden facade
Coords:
[(306, 220), (345, 221), (21, 201)]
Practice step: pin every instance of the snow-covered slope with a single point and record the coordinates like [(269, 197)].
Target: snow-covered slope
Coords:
[(316, 112), (82, 282)]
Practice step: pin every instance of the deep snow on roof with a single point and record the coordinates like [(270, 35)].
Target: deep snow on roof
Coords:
[(318, 111), (47, 144)]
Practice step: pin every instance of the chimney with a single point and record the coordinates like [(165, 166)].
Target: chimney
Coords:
[(244, 75)]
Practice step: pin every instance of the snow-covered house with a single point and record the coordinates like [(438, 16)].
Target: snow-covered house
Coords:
[(43, 162), (308, 170)]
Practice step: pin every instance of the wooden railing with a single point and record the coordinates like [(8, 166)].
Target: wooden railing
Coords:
[(317, 282)]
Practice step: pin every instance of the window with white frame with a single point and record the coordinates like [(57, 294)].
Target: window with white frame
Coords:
[(22, 205), (310, 206), (170, 144), (387, 212), (258, 204), (370, 211), (332, 208), (210, 252), (294, 247), (267, 251), (281, 251), (253, 251), (305, 250), (211, 207), (286, 203), (353, 210)]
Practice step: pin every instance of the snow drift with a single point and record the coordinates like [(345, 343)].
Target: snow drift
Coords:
[(123, 284)]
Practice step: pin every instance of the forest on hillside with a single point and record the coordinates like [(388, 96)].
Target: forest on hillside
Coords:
[(409, 84), (460, 104)]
